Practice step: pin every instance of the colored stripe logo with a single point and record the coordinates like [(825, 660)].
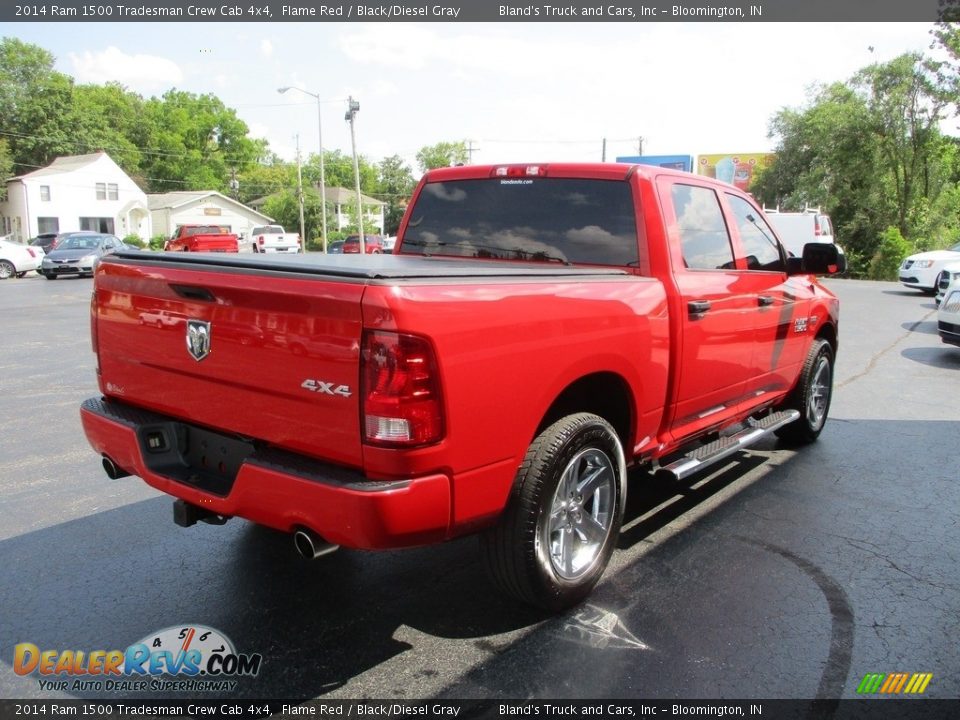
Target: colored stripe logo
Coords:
[(894, 683)]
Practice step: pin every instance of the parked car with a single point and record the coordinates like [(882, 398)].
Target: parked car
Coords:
[(949, 273), (335, 248), (948, 317), (389, 243), (78, 254), (274, 239), (16, 260), (47, 241), (373, 244), (921, 271)]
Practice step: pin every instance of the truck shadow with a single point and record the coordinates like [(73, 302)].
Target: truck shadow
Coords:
[(106, 580)]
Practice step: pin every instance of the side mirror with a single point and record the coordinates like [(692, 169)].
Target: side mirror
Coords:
[(818, 259)]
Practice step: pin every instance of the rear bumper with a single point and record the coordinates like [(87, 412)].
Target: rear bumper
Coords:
[(282, 490)]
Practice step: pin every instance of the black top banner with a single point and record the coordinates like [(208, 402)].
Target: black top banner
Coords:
[(619, 11)]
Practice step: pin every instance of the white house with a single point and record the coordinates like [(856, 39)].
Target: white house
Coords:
[(344, 200), (202, 207), (80, 192)]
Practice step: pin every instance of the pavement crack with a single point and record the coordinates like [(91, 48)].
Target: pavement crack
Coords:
[(876, 356)]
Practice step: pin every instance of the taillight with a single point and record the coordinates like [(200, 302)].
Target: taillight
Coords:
[(817, 232), (260, 239), (94, 337), (400, 388), (32, 253)]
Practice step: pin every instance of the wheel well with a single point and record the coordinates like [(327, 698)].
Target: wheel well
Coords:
[(604, 394), (829, 333)]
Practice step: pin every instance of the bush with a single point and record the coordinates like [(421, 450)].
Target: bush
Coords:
[(157, 242), (134, 240), (886, 261)]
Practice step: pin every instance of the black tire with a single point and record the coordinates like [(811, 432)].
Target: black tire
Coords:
[(50, 277), (7, 270), (550, 546), (936, 284), (812, 396)]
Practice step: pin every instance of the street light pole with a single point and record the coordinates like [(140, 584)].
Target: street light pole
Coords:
[(323, 178), (303, 233), (353, 107)]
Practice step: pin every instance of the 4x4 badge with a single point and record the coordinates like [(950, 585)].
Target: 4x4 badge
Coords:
[(198, 339)]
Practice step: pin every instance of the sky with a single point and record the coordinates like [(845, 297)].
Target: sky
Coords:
[(520, 92)]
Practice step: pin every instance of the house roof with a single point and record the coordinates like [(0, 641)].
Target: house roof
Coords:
[(342, 196), (65, 164), (174, 200)]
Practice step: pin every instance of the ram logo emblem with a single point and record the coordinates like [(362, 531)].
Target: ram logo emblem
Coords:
[(198, 339)]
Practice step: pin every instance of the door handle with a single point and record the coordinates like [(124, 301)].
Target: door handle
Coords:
[(765, 300), (698, 307)]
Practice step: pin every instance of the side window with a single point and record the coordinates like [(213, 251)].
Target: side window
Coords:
[(759, 243), (704, 239)]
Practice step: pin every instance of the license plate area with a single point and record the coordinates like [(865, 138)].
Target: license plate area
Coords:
[(193, 456)]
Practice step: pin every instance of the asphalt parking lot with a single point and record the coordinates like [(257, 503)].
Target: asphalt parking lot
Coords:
[(784, 574)]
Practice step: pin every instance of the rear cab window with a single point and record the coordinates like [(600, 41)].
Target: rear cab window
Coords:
[(565, 220)]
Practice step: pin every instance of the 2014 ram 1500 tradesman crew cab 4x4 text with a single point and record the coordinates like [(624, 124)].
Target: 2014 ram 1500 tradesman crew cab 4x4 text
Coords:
[(540, 330)]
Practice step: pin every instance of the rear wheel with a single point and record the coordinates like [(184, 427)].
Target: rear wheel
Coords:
[(812, 395), (555, 537), (7, 270)]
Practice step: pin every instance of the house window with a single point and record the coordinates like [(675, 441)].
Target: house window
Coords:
[(45, 193), (112, 191), (97, 224), (101, 191), (48, 225)]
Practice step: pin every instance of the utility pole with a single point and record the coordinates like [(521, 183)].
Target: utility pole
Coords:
[(470, 149), (353, 107), (603, 154), (640, 145), (323, 178), (300, 196)]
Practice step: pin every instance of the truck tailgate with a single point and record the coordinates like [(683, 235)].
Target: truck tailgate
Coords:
[(236, 351)]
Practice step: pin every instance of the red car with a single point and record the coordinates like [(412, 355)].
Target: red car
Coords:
[(541, 329), (373, 244), (202, 238)]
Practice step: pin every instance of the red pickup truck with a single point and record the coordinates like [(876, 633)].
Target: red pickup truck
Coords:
[(541, 330), (202, 238)]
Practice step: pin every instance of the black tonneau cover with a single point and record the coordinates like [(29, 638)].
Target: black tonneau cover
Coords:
[(371, 267)]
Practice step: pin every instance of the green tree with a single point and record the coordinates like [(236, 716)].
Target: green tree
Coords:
[(869, 152), (270, 175), (35, 100), (395, 186), (443, 154), (6, 168), (196, 142)]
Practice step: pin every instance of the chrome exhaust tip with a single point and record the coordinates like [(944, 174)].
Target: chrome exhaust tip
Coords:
[(112, 470), (310, 545)]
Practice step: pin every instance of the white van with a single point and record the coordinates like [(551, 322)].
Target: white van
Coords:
[(796, 229)]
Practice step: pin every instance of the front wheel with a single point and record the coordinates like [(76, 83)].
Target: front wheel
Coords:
[(7, 270), (811, 396), (556, 535)]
